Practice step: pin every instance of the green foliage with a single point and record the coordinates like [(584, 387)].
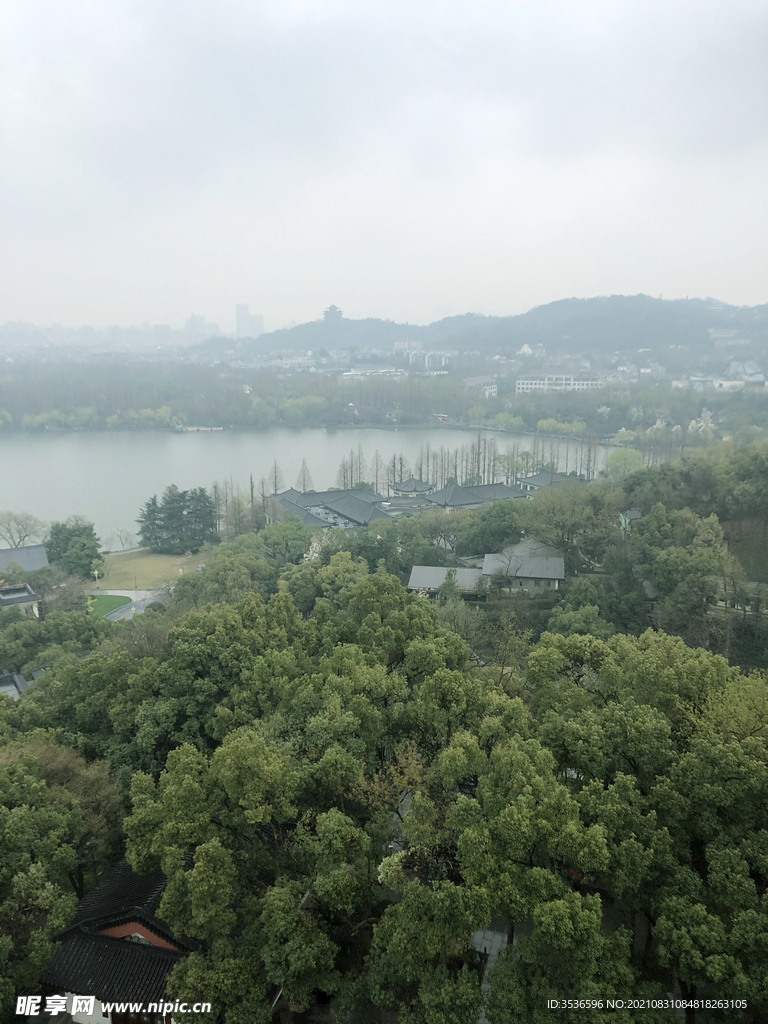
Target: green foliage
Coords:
[(449, 588), (59, 824), (28, 643), (567, 955), (181, 521), (623, 461), (490, 528), (74, 546), (232, 570), (583, 611), (340, 798), (508, 421), (580, 522), (685, 558)]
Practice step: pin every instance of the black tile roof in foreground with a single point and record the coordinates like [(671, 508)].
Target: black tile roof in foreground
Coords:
[(113, 970), (117, 969), (119, 891)]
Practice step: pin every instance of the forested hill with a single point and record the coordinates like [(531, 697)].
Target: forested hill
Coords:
[(609, 323)]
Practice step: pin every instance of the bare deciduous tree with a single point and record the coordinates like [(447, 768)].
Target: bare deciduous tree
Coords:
[(276, 481), (304, 480), (379, 470), (17, 528)]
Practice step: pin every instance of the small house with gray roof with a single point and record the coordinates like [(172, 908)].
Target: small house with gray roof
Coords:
[(427, 579), (20, 596), (528, 566)]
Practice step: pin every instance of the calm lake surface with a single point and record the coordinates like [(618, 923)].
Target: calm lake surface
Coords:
[(106, 477)]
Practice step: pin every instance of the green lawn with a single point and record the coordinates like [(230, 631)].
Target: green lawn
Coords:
[(140, 570), (101, 604)]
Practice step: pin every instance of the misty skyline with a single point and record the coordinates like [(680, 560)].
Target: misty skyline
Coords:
[(402, 162)]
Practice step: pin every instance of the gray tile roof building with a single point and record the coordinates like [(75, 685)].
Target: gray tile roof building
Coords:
[(308, 498), (432, 577), (18, 595), (346, 509), (13, 684), (28, 557), (545, 479), (456, 496), (308, 518), (412, 486), (527, 560), (359, 511)]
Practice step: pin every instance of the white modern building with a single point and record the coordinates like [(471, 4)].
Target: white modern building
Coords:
[(556, 382)]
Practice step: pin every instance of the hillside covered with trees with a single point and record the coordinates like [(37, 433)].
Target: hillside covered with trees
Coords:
[(340, 790), (601, 324)]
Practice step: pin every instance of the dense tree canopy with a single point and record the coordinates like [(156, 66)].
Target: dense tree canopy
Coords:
[(180, 521), (74, 546), (59, 824), (343, 781)]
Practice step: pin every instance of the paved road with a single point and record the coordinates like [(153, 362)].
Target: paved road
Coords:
[(140, 599)]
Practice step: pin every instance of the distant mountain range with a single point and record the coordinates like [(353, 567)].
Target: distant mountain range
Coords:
[(597, 326), (605, 324)]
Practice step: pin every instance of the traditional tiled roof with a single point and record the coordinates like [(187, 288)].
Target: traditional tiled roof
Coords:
[(28, 557), (527, 560), (121, 890), (309, 498), (456, 496), (291, 494), (16, 594), (113, 970), (431, 577), (308, 518), (747, 370), (495, 492), (412, 486), (350, 506), (110, 968), (347, 508), (546, 478), (12, 684)]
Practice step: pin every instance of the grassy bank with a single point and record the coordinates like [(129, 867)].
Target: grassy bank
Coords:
[(141, 570), (102, 604)]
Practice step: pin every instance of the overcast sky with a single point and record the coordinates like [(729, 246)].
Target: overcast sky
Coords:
[(408, 160)]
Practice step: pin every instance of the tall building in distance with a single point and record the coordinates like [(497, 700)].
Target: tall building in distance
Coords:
[(248, 325), (198, 327)]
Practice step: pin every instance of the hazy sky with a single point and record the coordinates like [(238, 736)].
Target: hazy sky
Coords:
[(401, 159)]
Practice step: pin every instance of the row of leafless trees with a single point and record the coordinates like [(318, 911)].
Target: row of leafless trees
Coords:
[(482, 462), (478, 462)]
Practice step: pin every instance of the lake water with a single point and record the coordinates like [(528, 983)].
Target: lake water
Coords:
[(107, 477)]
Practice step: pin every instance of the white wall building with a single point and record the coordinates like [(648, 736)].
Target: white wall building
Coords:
[(556, 382)]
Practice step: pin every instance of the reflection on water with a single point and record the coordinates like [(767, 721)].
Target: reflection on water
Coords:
[(107, 476)]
